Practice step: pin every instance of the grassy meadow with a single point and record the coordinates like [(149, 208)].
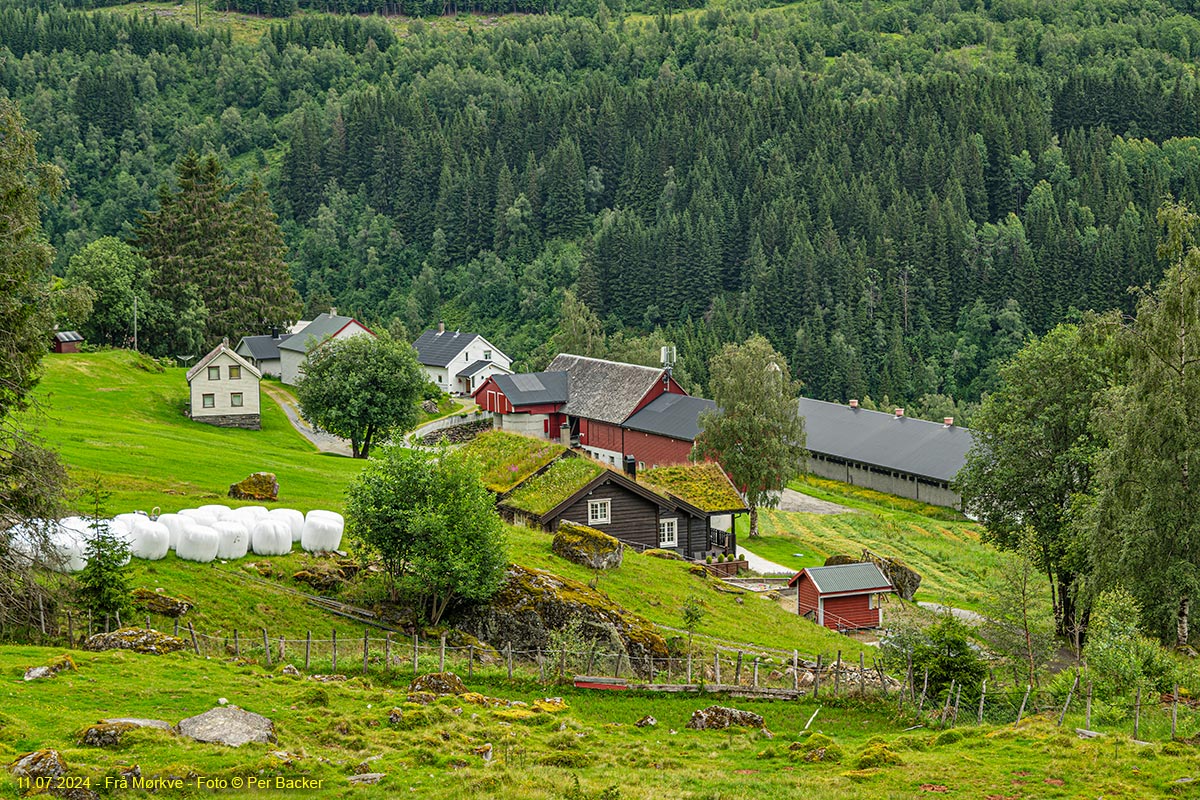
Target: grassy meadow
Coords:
[(110, 414), (589, 749)]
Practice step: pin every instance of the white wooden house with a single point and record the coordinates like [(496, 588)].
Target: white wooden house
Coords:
[(224, 390), (457, 362)]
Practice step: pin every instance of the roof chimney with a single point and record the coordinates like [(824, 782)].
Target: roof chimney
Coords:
[(899, 413), (854, 403), (333, 311), (948, 422), (274, 333), (441, 328)]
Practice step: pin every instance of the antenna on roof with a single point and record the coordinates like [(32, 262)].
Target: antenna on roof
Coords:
[(667, 356)]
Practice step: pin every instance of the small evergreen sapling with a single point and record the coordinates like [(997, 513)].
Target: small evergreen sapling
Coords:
[(103, 587)]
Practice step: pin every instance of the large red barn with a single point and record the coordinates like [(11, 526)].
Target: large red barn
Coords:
[(843, 596)]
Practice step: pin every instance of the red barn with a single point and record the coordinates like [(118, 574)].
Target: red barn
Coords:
[(66, 342), (665, 429), (842, 597)]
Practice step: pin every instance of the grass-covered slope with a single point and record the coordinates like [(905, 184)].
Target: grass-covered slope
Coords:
[(325, 731), (110, 414)]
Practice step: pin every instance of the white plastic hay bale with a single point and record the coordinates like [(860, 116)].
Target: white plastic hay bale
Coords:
[(217, 510), (175, 524), (198, 543), (206, 518), (130, 519), (234, 538), (293, 518), (271, 537), (68, 545), (150, 540), (252, 513), (322, 531)]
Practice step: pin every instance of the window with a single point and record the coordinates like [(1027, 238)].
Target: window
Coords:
[(668, 533), (235, 400), (441, 377), (235, 373), (599, 512), (208, 401), (214, 373), (873, 601), (641, 465), (487, 355)]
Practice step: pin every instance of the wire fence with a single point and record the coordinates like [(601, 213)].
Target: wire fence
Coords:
[(707, 667)]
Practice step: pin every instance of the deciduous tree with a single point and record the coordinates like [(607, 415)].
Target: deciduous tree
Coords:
[(756, 433), (117, 274), (364, 389)]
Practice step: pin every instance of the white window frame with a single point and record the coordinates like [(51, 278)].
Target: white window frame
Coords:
[(235, 372), (671, 523), (214, 377), (487, 355), (599, 512), (236, 400), (208, 400), (873, 602)]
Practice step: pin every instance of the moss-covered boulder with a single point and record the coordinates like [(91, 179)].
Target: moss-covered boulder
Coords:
[(159, 603), (139, 640), (587, 546), (721, 717), (261, 486), (438, 683), (531, 603), (105, 734)]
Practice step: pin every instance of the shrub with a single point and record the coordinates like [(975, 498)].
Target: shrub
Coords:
[(877, 755)]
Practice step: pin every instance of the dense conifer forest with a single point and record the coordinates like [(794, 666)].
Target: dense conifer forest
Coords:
[(896, 193)]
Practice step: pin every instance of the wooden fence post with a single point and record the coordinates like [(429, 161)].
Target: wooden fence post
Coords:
[(837, 675), (90, 626), (70, 630), (366, 648), (1067, 704), (982, 695), (957, 698), (883, 681), (508, 653), (756, 672), (795, 670), (387, 650), (147, 622), (237, 645), (924, 691), (266, 646), (333, 640), (176, 626), (1174, 709), (689, 668), (307, 648), (717, 667), (862, 675), (282, 650), (416, 654), (737, 673), (44, 623), (1137, 713), (470, 661), (1021, 710), (195, 644), (562, 662), (1088, 714), (442, 655), (949, 696), (542, 667), (817, 678)]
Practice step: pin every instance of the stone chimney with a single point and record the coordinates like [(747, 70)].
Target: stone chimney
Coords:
[(948, 422), (899, 413), (564, 434), (854, 404), (441, 328)]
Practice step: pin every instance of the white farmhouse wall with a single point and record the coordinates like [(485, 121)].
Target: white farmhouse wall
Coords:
[(222, 390)]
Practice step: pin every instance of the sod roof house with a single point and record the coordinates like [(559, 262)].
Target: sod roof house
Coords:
[(459, 362), (842, 597), (890, 453), (223, 389), (506, 459), (675, 514), (323, 328)]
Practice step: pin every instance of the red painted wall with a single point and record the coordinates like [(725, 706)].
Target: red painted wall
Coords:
[(806, 596), (850, 612), (600, 434), (657, 389), (654, 450)]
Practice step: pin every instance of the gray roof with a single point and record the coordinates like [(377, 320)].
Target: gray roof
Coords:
[(530, 388), (436, 349), (262, 348), (673, 415), (606, 391), (68, 336), (914, 446), (321, 328), (473, 367), (848, 578)]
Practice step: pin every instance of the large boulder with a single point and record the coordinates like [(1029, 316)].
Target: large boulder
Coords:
[(531, 603), (262, 486), (228, 725), (160, 603), (139, 640), (719, 717), (587, 546), (438, 683), (39, 764)]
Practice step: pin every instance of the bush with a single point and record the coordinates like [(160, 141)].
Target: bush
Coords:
[(877, 755), (1118, 655)]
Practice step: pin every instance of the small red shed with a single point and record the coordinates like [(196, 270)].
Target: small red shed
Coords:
[(66, 342), (842, 597)]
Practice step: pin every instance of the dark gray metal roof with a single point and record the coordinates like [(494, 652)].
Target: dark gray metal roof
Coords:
[(473, 367), (68, 336), (532, 388), (607, 391), (261, 348), (321, 328), (901, 444), (673, 415), (436, 349), (848, 578)]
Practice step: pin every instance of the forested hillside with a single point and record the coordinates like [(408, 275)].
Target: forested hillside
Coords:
[(895, 193)]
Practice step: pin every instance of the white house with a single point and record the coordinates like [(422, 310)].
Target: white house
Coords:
[(224, 390), (294, 348), (459, 362)]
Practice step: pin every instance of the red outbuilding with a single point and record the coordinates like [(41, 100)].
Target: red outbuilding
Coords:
[(842, 597), (66, 342)]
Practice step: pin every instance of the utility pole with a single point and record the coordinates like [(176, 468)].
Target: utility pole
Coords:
[(135, 346)]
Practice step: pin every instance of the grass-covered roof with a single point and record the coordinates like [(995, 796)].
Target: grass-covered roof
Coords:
[(702, 485), (506, 458), (563, 479)]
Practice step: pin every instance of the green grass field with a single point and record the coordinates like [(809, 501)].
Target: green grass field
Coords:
[(590, 749), (108, 416)]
